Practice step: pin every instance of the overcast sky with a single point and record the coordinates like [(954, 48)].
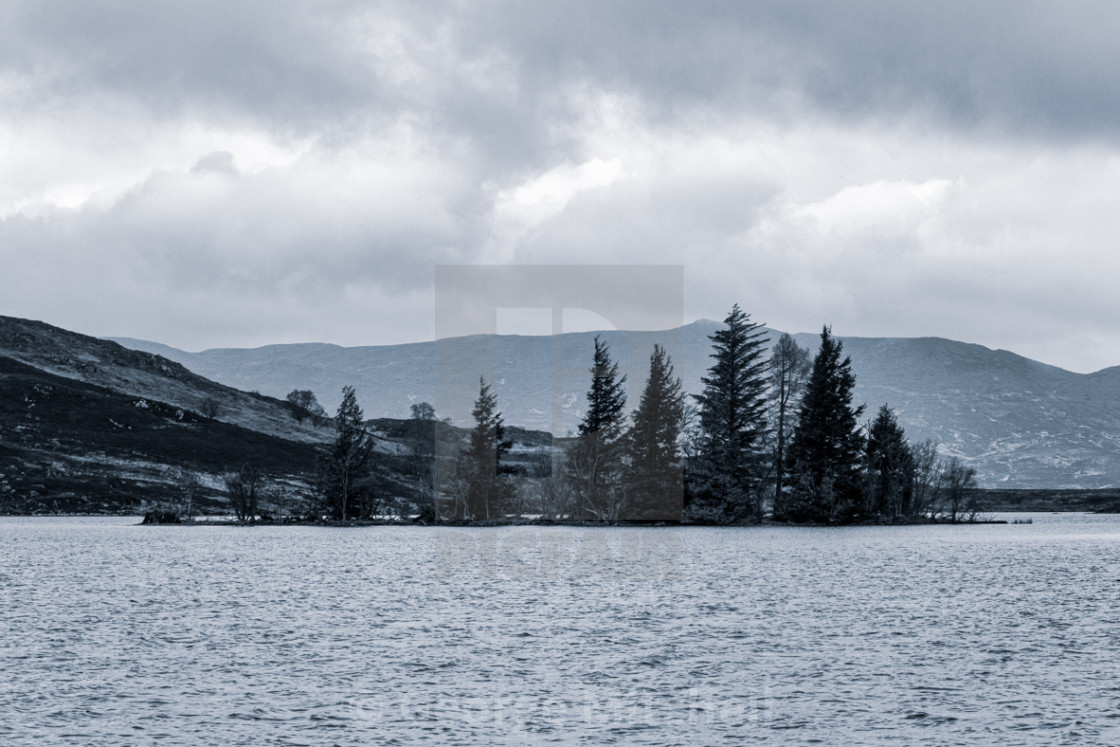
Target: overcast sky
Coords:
[(228, 173)]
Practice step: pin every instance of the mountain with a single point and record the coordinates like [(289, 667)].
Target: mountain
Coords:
[(389, 379), (87, 425), (1020, 423)]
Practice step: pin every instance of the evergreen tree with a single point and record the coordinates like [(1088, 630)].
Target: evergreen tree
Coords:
[(420, 436), (654, 484), (486, 493), (606, 399), (725, 478), (347, 464), (789, 370), (826, 450), (890, 467), (596, 459)]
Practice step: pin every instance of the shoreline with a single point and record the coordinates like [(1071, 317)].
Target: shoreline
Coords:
[(229, 520)]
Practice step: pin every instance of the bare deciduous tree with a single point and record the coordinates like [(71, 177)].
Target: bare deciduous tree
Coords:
[(958, 484), (305, 405), (420, 439), (923, 498), (789, 370), (210, 407), (245, 487)]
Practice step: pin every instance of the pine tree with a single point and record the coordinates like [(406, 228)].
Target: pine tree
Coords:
[(483, 458), (789, 370), (347, 464), (420, 437), (725, 479), (596, 459), (654, 484), (606, 399), (890, 467), (826, 450)]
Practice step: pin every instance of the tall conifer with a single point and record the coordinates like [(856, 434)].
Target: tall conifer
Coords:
[(654, 486), (725, 480), (595, 461), (488, 444), (826, 450), (890, 467), (346, 465)]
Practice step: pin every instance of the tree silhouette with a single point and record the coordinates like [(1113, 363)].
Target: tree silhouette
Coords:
[(789, 370), (890, 467), (595, 461), (826, 450), (654, 485), (725, 478), (347, 464), (481, 464)]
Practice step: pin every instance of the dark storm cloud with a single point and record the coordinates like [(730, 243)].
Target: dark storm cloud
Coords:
[(1043, 67), (1040, 67), (335, 71), (187, 59)]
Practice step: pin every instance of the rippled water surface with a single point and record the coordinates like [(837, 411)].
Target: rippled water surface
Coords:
[(112, 633)]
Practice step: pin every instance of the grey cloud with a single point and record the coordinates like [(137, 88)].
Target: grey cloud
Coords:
[(1045, 67), (337, 71), (424, 114), (303, 231), (495, 74), (102, 274), (671, 220), (1048, 68), (220, 162), (188, 58)]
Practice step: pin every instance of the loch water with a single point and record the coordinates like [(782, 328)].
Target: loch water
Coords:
[(113, 633)]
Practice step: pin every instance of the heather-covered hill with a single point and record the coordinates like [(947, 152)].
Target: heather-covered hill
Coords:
[(107, 364), (69, 446)]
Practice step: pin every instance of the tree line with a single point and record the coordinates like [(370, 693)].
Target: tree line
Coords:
[(770, 436)]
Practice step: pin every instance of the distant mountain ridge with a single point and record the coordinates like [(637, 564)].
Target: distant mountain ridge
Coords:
[(1020, 423)]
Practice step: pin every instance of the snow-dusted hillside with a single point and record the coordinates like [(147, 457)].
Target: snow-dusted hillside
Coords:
[(1019, 422)]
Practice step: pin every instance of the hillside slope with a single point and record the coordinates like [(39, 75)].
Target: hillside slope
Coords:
[(89, 426), (66, 445), (1021, 423), (112, 366)]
